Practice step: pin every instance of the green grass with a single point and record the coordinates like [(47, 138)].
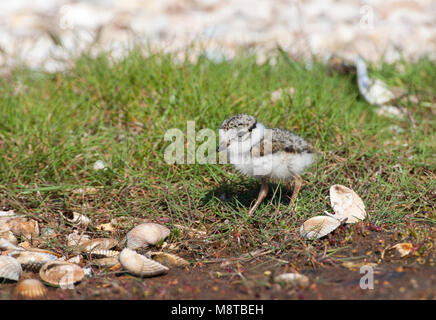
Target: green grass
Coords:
[(53, 127)]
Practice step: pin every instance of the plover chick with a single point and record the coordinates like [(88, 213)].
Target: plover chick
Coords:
[(265, 153)]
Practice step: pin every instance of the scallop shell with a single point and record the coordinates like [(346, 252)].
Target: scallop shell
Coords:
[(30, 289), (20, 226), (319, 226), (346, 204), (168, 259), (8, 235), (139, 265), (10, 268), (105, 262), (97, 244), (61, 273), (146, 234), (78, 219), (33, 259), (293, 278)]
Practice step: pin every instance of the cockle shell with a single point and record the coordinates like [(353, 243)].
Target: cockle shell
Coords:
[(10, 268), (20, 226), (61, 273), (292, 278), (319, 226), (33, 259), (30, 289), (168, 259), (103, 253), (139, 265), (8, 235), (97, 244), (146, 234), (346, 204)]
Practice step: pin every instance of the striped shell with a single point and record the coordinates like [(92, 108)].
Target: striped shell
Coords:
[(33, 259), (100, 253), (10, 268), (146, 234), (168, 259), (346, 204), (30, 289), (105, 262), (61, 273), (78, 219), (97, 244), (139, 265), (319, 226)]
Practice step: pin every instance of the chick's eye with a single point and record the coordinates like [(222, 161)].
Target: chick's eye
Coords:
[(241, 134)]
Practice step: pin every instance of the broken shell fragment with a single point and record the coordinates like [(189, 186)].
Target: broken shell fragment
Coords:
[(61, 273), (30, 289), (78, 219), (140, 265), (20, 226), (346, 204), (168, 259), (403, 249), (75, 239), (146, 234), (33, 259), (102, 253), (7, 245), (105, 262), (10, 268), (97, 244), (295, 279), (318, 227)]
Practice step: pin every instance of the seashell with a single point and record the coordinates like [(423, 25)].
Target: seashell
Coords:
[(319, 226), (30, 289), (102, 253), (61, 273), (10, 268), (168, 259), (346, 204), (33, 259), (78, 219), (9, 213), (75, 239), (146, 234), (139, 265), (76, 259), (20, 226), (105, 227), (295, 279), (105, 262), (7, 245), (97, 244), (9, 236)]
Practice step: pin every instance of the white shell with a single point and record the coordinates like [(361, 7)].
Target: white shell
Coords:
[(139, 265), (104, 253), (168, 259), (8, 235), (75, 239), (319, 226), (32, 259), (105, 262), (79, 219), (61, 273), (146, 234), (7, 245), (293, 278), (97, 244), (20, 226), (10, 268), (30, 289), (346, 204)]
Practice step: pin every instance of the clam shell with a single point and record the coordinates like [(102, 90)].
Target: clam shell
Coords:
[(20, 226), (30, 289), (105, 262), (78, 219), (293, 278), (33, 259), (168, 259), (97, 244), (146, 234), (10, 268), (319, 226), (75, 239), (346, 204), (8, 235), (139, 265), (61, 273)]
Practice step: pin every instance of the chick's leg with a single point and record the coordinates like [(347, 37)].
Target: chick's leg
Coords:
[(262, 195)]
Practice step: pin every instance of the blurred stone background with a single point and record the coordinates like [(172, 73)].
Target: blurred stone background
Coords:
[(47, 33)]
